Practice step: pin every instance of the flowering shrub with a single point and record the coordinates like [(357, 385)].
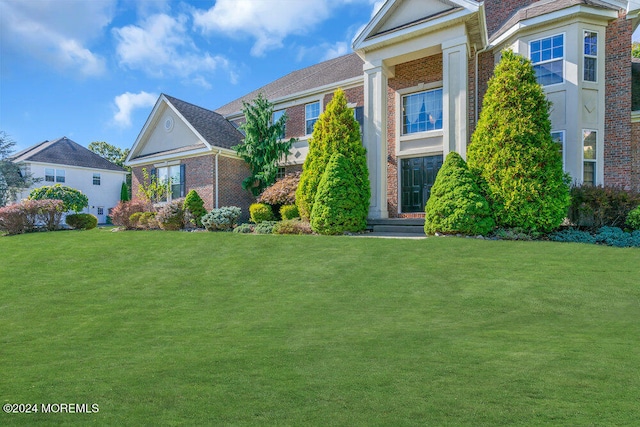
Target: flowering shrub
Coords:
[(224, 218), (171, 215), (121, 214), (82, 221), (73, 199)]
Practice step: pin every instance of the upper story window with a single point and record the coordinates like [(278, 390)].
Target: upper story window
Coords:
[(54, 175), (311, 114), (547, 56), (590, 56), (275, 118), (173, 177), (422, 111), (96, 179)]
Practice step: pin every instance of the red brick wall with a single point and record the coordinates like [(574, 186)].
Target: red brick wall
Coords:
[(296, 126), (231, 173), (635, 156), (354, 95), (617, 134), (408, 74), (499, 11), (199, 177)]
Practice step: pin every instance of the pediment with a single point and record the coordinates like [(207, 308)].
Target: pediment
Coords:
[(407, 12)]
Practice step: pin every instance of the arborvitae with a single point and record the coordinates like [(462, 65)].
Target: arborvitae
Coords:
[(456, 204), (124, 192), (194, 204), (512, 150), (336, 131), (338, 203)]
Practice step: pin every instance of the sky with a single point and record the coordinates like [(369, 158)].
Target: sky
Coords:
[(92, 70)]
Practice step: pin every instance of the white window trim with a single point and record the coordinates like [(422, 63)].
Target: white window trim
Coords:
[(305, 115), (564, 56), (422, 87), (595, 161), (99, 177), (591, 56), (564, 146)]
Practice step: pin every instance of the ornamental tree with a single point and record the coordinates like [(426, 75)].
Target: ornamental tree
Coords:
[(72, 199), (12, 179), (456, 204), (336, 131), (262, 147), (195, 205), (513, 152)]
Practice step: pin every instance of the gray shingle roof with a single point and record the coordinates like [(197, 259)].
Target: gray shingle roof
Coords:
[(64, 151), (543, 7), (217, 131), (325, 73)]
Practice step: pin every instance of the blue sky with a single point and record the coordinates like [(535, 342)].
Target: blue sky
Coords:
[(92, 70)]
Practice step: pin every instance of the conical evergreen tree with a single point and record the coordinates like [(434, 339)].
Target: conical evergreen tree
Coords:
[(513, 152), (195, 205), (336, 131), (456, 204)]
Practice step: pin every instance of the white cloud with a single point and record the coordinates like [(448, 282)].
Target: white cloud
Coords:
[(127, 102), (161, 46), (55, 32)]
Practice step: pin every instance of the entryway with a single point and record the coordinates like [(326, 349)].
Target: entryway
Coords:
[(418, 175)]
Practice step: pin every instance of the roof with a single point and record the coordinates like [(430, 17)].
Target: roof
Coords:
[(64, 151), (325, 73), (635, 84), (543, 7), (214, 128)]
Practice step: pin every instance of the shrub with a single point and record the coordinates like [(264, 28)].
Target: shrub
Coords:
[(50, 213), (289, 212), (339, 205), (292, 226), (224, 218), (194, 204), (633, 219), (73, 199), (283, 192), (598, 206), (13, 219), (516, 234), (456, 204), (121, 214), (265, 227), (335, 131), (82, 221), (27, 215), (171, 216), (143, 220), (572, 235), (512, 150), (260, 212), (244, 229), (615, 236)]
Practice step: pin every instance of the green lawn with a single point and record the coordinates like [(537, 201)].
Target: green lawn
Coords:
[(173, 328)]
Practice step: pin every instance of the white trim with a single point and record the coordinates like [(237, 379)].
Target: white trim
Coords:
[(29, 163), (596, 56), (183, 155), (564, 146), (635, 116), (548, 61), (596, 161)]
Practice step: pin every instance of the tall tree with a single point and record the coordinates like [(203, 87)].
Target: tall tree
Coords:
[(336, 131), (110, 152), (513, 152), (263, 148), (12, 179)]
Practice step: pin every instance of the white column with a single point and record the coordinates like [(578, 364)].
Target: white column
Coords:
[(375, 135), (454, 98)]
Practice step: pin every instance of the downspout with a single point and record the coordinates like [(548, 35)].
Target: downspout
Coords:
[(217, 185)]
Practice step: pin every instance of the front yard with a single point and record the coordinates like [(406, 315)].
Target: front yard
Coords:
[(172, 328)]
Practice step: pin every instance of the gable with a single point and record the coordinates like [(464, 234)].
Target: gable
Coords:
[(411, 11)]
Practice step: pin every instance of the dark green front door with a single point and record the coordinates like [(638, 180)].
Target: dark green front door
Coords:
[(418, 175)]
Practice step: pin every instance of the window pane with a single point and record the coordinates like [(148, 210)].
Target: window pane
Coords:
[(422, 111), (96, 179), (59, 175), (312, 111), (589, 138), (276, 117), (590, 43), (590, 66), (589, 177), (49, 175), (549, 73)]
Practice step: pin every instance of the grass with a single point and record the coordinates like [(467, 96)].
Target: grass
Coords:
[(172, 328)]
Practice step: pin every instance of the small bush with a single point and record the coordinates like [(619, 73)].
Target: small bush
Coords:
[(223, 219), (283, 192), (134, 219), (244, 229), (516, 234), (633, 219), (289, 212), (292, 226), (143, 220), (171, 216), (572, 235), (265, 227), (596, 206), (194, 204), (82, 221), (260, 212), (13, 219), (74, 200), (121, 214), (615, 236), (28, 215)]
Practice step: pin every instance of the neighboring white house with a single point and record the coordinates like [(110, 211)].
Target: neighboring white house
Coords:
[(65, 162)]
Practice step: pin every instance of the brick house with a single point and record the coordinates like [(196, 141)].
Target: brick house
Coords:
[(421, 67)]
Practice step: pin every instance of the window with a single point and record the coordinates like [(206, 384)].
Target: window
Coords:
[(311, 114), (422, 111), (558, 138), (589, 156), (173, 177), (275, 118), (281, 173), (100, 210), (547, 56), (96, 179), (54, 175), (590, 56)]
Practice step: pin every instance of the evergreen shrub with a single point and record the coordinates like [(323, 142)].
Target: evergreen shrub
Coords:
[(289, 212), (633, 219), (513, 152), (81, 221), (265, 227), (259, 212), (222, 219), (456, 204), (194, 204), (244, 229), (292, 226), (572, 235), (171, 215), (338, 205)]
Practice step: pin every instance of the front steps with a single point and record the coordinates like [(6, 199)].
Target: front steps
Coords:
[(411, 227)]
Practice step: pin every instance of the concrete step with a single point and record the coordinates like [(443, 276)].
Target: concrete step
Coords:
[(404, 229), (397, 222)]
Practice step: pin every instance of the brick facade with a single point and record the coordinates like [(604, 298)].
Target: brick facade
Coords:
[(635, 156), (499, 11), (617, 134), (231, 174)]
